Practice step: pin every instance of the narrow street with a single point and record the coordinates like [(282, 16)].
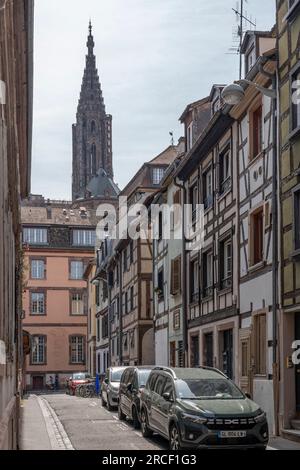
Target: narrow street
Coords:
[(88, 426), (64, 422)]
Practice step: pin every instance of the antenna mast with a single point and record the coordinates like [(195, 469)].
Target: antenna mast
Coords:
[(238, 35)]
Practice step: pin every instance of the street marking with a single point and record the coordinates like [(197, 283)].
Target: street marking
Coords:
[(139, 434)]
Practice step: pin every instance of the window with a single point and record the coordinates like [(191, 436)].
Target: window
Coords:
[(39, 350), (38, 303), (131, 299), (260, 340), (35, 236), (194, 281), (84, 237), (176, 276), (296, 104), (297, 219), (76, 270), (125, 264), (160, 285), (159, 384), (77, 349), (104, 291), (177, 215), (189, 137), (37, 269), (97, 295), (207, 274), (126, 303), (208, 189), (194, 201), (157, 175), (160, 225), (132, 340), (256, 248), (93, 163), (125, 342), (176, 320), (77, 304), (131, 251), (226, 264), (256, 129), (225, 170), (98, 329), (250, 60), (104, 327)]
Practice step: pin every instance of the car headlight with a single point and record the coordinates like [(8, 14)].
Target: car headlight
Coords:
[(260, 417), (195, 419)]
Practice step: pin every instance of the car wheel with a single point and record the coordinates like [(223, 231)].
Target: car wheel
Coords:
[(121, 415), (146, 431), (103, 402), (135, 418), (175, 443)]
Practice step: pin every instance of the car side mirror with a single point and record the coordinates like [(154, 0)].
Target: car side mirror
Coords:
[(106, 381), (129, 387), (248, 395), (168, 397)]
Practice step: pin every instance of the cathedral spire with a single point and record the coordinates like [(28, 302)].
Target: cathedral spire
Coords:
[(90, 42)]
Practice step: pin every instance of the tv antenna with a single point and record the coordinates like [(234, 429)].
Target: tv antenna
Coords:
[(244, 22)]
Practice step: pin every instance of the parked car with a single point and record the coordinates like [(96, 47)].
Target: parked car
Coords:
[(110, 387), (132, 383), (76, 379), (201, 408)]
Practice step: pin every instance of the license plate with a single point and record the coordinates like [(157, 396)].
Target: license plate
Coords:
[(232, 434)]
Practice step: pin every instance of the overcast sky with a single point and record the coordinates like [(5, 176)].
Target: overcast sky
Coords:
[(153, 56)]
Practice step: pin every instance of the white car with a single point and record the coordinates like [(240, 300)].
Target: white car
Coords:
[(110, 387)]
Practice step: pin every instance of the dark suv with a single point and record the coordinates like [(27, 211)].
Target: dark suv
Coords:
[(133, 381), (201, 408)]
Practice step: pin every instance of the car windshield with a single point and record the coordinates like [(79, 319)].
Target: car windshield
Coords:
[(116, 375), (207, 389), (79, 376), (143, 377)]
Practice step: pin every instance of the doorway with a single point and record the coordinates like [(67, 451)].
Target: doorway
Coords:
[(227, 353), (195, 351), (209, 350), (38, 382)]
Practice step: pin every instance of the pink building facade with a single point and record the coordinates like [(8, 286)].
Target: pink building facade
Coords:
[(58, 245)]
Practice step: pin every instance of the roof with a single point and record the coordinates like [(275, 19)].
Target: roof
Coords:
[(63, 216), (250, 34), (192, 373), (192, 106), (102, 186)]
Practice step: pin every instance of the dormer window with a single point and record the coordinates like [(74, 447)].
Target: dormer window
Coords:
[(157, 175), (189, 137), (215, 106), (250, 60)]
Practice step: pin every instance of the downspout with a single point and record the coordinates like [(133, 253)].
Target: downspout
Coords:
[(184, 280), (109, 316), (274, 248)]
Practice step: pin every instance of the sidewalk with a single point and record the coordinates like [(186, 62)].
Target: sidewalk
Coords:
[(34, 435), (278, 443)]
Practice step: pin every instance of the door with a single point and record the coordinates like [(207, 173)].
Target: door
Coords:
[(245, 366), (209, 350), (156, 421), (165, 406), (227, 354), (297, 368), (173, 354), (38, 382), (195, 360)]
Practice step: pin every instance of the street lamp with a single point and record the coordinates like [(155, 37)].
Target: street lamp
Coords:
[(233, 94)]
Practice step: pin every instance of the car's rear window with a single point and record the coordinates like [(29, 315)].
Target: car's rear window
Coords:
[(80, 376), (116, 375)]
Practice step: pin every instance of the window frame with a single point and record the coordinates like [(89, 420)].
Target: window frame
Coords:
[(71, 262), (38, 292), (225, 183), (89, 234), (257, 104), (35, 230), (253, 236), (38, 260), (44, 362), (225, 282), (77, 362)]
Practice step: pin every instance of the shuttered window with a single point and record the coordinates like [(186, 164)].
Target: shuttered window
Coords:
[(260, 344), (176, 276)]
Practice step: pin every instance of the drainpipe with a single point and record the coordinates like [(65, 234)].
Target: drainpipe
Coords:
[(273, 77), (184, 279)]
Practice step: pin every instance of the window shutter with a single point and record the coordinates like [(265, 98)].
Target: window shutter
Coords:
[(172, 277)]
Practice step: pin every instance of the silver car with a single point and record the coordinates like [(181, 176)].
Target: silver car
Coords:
[(110, 387)]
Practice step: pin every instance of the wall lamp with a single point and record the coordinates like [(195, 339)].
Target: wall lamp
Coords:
[(233, 94)]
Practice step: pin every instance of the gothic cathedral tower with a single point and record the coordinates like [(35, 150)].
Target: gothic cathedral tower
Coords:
[(92, 136)]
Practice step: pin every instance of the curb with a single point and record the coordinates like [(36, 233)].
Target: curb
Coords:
[(58, 437)]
